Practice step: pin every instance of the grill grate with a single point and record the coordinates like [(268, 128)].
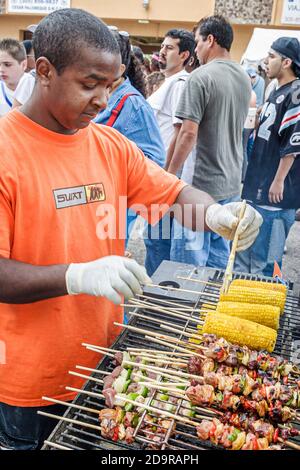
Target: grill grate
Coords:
[(184, 437)]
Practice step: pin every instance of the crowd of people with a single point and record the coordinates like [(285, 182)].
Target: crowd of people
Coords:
[(86, 123)]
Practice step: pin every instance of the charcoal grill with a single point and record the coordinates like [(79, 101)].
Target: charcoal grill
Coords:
[(75, 436)]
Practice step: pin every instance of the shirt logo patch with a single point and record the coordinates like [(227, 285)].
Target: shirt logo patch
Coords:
[(280, 99), (78, 195), (295, 138)]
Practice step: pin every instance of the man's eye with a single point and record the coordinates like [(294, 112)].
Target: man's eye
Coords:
[(89, 86)]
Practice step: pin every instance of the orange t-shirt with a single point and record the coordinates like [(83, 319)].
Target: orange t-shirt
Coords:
[(53, 189)]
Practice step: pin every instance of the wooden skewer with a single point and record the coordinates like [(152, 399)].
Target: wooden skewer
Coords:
[(56, 446), (171, 314), (176, 330), (159, 411), (100, 371), (159, 351), (88, 377), (162, 387), (199, 281), (72, 405), (173, 346), (290, 444), (134, 374), (161, 370), (229, 268), (208, 294), (85, 392), (100, 351), (164, 307), (145, 317), (166, 362), (174, 384), (114, 351), (157, 335), (161, 301), (151, 358), (174, 312), (69, 420)]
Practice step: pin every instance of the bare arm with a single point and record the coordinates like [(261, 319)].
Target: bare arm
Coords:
[(190, 208), (172, 145), (185, 142), (277, 186), (22, 283)]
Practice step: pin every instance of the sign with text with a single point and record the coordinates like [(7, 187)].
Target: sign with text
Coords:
[(36, 6), (291, 12)]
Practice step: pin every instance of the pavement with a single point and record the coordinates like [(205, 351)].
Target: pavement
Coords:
[(291, 260)]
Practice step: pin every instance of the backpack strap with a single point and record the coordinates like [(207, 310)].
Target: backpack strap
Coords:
[(118, 108)]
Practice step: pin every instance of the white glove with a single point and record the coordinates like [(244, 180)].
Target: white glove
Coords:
[(224, 220), (107, 277)]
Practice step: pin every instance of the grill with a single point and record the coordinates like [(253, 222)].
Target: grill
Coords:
[(69, 435)]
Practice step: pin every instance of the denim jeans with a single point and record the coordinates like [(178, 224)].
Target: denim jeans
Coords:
[(200, 248), (269, 245), (130, 221), (21, 428), (158, 243)]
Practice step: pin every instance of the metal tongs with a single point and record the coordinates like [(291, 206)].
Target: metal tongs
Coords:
[(230, 264)]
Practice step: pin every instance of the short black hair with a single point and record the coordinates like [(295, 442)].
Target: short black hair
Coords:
[(61, 35), (133, 68), (14, 48), (219, 28), (138, 54), (186, 41)]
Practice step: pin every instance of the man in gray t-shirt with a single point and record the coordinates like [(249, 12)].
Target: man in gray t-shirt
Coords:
[(213, 106)]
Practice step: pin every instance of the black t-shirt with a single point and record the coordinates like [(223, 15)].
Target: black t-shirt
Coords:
[(278, 135)]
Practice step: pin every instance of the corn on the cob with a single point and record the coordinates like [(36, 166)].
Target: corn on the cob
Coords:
[(240, 331), (260, 285), (254, 296), (267, 315)]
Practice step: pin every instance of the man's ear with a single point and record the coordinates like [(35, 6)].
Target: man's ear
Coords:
[(24, 65), (45, 71), (287, 63), (211, 40), (122, 69), (185, 55)]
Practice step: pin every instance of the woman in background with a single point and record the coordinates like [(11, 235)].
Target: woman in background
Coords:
[(128, 111)]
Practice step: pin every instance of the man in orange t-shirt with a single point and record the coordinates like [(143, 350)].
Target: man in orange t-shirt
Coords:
[(61, 178)]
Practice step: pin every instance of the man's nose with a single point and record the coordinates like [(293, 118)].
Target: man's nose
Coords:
[(100, 100)]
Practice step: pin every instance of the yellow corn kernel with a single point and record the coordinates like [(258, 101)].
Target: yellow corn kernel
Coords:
[(254, 296), (267, 315), (260, 285), (240, 331)]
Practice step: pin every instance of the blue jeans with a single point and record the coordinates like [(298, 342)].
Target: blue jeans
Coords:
[(158, 243), (130, 220), (200, 248), (21, 428), (269, 245)]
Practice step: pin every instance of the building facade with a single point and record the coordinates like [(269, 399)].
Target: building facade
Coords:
[(148, 20)]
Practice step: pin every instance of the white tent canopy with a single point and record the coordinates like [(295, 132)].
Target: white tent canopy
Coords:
[(262, 40)]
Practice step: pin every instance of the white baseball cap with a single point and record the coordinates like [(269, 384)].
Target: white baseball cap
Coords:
[(31, 28)]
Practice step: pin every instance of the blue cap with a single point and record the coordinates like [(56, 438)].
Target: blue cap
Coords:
[(289, 47)]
